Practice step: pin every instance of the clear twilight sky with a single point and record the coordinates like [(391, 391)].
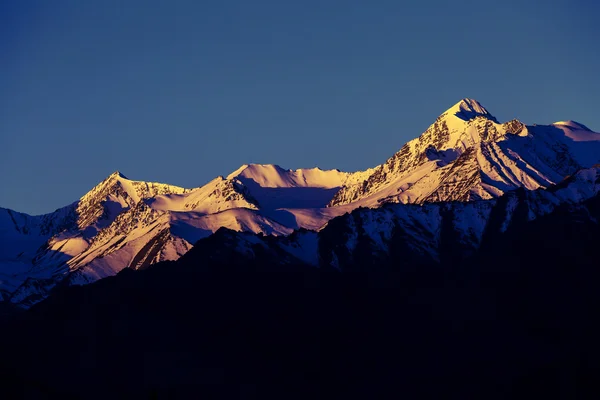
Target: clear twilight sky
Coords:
[(183, 91)]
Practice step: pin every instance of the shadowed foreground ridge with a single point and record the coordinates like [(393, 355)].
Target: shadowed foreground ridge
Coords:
[(514, 319)]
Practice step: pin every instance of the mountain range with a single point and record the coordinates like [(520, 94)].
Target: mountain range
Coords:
[(397, 308), (467, 179)]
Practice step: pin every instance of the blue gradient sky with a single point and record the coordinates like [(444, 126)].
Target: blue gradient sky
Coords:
[(183, 91)]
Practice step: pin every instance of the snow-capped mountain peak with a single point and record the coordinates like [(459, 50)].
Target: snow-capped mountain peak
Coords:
[(466, 154), (117, 174), (573, 125), (467, 109), (274, 187), (274, 176), (114, 195)]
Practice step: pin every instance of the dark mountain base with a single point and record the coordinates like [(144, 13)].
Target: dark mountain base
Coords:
[(518, 320)]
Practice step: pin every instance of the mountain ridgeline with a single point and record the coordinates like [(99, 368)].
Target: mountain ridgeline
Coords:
[(398, 237), (465, 156)]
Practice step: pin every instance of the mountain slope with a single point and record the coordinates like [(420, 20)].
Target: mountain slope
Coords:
[(466, 154), (36, 249)]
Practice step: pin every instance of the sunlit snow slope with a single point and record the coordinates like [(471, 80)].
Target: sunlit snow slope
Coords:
[(466, 154)]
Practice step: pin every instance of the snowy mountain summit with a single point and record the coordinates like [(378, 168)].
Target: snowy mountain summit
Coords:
[(467, 109), (465, 155)]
